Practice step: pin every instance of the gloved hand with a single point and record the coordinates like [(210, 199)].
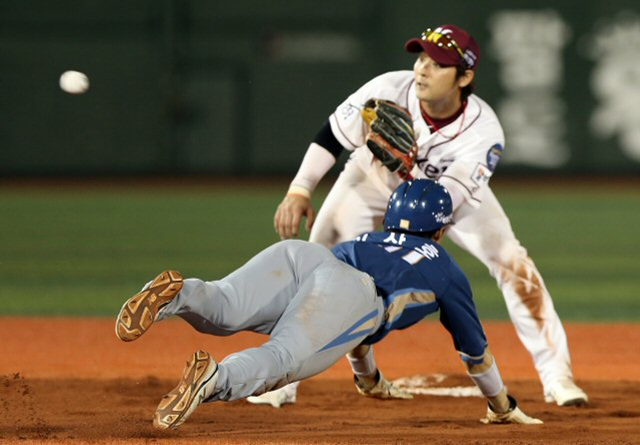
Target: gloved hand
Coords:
[(514, 415), (380, 388), (391, 138)]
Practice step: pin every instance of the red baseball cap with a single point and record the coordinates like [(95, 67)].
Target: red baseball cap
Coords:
[(448, 45)]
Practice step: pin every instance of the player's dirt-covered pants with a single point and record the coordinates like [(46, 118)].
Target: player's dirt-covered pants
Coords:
[(356, 204), (314, 308)]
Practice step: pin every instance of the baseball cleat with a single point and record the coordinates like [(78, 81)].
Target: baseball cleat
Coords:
[(513, 415), (277, 397), (566, 393), (140, 311), (197, 383)]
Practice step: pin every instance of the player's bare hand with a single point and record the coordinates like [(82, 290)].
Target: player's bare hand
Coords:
[(289, 215)]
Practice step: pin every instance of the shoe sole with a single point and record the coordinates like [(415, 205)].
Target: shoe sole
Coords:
[(577, 400), (140, 311), (196, 385)]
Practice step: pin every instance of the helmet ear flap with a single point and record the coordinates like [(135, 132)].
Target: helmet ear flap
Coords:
[(418, 206)]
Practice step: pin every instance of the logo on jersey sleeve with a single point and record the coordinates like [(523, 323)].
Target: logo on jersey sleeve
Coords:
[(493, 156), (480, 176), (348, 110)]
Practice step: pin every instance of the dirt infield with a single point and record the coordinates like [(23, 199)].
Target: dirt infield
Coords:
[(71, 381)]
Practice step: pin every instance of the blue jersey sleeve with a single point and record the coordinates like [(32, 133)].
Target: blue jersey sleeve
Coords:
[(459, 317)]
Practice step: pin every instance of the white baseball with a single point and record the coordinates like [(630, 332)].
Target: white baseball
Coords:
[(74, 82)]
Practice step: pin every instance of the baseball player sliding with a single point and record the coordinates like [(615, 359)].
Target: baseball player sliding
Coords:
[(458, 140), (317, 305)]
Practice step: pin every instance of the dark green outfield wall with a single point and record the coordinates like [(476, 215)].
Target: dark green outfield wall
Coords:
[(240, 87)]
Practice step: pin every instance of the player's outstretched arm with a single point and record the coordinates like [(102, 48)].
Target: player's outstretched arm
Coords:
[(501, 407), (368, 379), (293, 207)]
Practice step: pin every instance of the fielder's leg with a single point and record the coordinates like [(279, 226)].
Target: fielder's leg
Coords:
[(487, 234)]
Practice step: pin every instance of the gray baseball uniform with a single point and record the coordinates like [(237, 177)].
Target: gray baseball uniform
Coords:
[(288, 291)]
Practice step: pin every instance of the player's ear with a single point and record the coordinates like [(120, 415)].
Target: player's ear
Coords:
[(466, 78), (439, 234)]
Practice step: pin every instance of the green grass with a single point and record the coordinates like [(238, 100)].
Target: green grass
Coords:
[(82, 251)]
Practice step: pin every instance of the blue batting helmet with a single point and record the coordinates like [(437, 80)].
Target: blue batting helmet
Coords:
[(418, 206)]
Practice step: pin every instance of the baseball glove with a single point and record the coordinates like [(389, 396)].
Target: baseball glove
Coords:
[(391, 138)]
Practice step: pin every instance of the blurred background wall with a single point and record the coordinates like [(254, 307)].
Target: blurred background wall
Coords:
[(240, 87)]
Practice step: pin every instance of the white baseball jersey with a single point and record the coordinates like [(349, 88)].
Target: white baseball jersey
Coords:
[(466, 151), (462, 156)]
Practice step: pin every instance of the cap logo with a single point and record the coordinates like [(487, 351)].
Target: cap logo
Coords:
[(404, 224), (436, 35)]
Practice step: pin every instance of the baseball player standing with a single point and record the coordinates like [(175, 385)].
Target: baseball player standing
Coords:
[(316, 307), (459, 142)]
